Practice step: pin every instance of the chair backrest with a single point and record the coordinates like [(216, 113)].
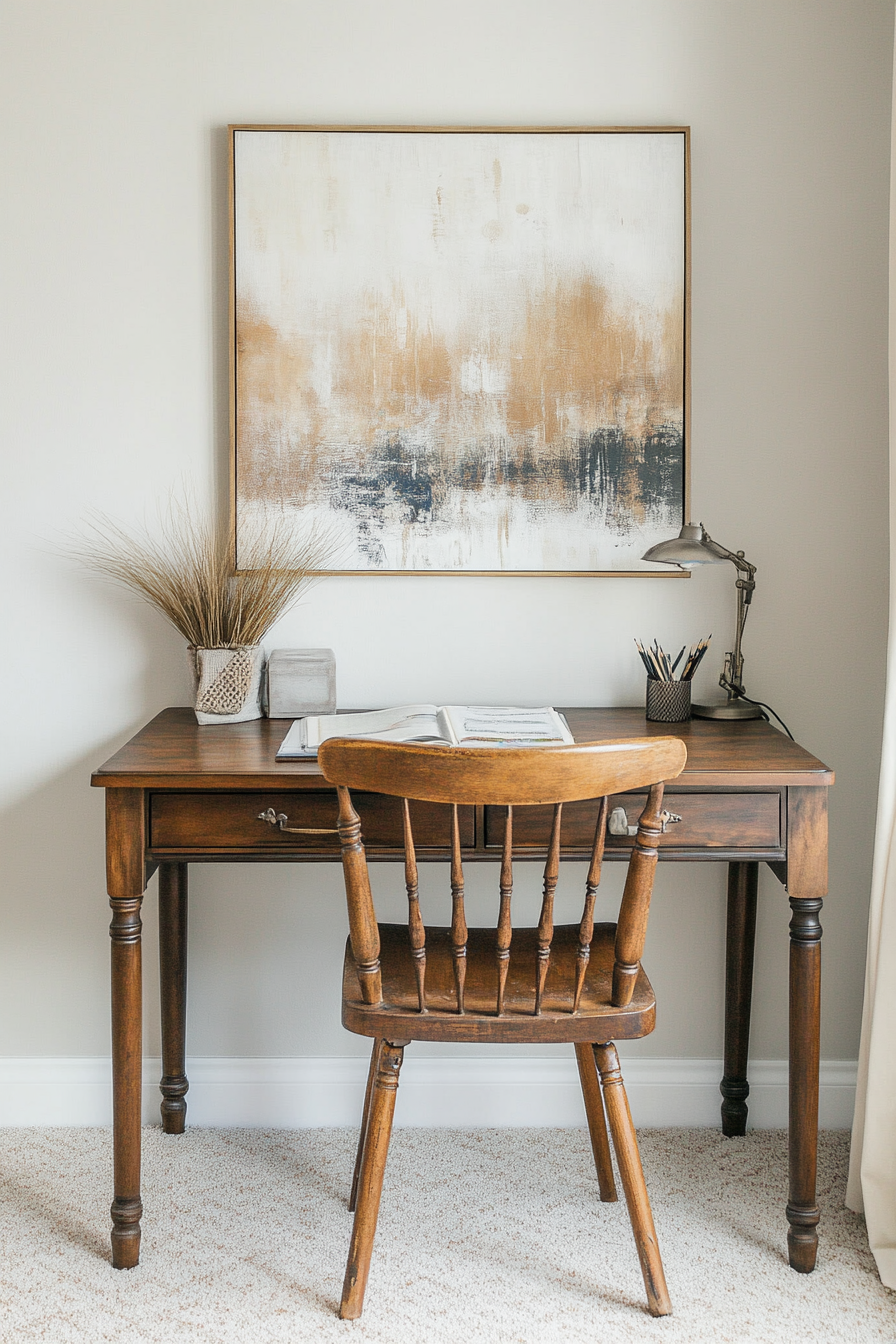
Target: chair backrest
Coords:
[(509, 778)]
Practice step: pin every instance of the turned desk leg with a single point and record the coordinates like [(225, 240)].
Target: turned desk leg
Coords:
[(173, 977), (805, 1006), (807, 884), (743, 882), (125, 877)]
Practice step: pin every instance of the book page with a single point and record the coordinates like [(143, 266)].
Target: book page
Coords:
[(506, 725), (407, 723), (452, 725)]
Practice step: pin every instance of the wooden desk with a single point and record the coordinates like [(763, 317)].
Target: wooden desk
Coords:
[(179, 794)]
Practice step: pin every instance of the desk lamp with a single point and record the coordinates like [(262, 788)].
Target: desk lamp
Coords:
[(694, 546)]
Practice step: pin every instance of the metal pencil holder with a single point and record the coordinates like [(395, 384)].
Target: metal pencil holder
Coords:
[(668, 701)]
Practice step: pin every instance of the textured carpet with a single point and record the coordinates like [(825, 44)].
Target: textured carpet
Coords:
[(484, 1235)]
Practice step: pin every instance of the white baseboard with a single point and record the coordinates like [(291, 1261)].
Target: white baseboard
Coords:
[(493, 1091)]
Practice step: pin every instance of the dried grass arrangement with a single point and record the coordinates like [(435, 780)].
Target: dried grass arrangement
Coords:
[(187, 573)]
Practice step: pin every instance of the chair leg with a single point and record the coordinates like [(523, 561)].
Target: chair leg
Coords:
[(632, 1174), (597, 1125), (365, 1117), (370, 1182)]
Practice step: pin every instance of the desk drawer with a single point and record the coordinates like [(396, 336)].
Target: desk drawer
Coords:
[(708, 821), (211, 822)]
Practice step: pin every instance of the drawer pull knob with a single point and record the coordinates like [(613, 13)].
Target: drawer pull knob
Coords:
[(619, 823), (280, 819)]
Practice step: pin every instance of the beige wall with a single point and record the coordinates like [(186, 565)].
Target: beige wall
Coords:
[(115, 263)]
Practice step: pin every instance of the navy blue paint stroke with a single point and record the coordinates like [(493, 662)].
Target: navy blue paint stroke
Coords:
[(397, 482)]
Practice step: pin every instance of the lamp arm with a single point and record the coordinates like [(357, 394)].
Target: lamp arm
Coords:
[(732, 676), (731, 679), (736, 558)]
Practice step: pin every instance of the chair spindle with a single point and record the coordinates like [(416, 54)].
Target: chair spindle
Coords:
[(505, 927), (546, 922), (416, 931), (364, 934), (631, 928), (592, 882), (458, 915)]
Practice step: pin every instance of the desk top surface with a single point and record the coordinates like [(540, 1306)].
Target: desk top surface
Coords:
[(174, 752)]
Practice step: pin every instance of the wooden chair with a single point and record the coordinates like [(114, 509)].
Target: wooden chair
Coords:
[(580, 983)]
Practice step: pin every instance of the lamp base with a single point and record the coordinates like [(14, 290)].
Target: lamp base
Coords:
[(728, 709)]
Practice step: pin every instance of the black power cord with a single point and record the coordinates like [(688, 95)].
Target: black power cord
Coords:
[(763, 706)]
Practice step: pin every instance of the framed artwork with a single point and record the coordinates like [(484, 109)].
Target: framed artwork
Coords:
[(462, 350)]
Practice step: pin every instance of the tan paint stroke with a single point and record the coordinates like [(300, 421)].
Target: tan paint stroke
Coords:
[(391, 369), (580, 364), (279, 429), (571, 365)]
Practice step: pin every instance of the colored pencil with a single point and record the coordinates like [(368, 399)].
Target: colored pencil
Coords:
[(660, 667)]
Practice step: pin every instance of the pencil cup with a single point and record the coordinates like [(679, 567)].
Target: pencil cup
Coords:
[(668, 701)]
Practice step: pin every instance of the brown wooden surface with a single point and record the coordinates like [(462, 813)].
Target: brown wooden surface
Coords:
[(592, 882), (207, 821), (125, 842), (576, 983), (807, 843), (206, 825), (631, 930), (546, 918), (398, 1012), (508, 776), (173, 997), (741, 782), (459, 931), (125, 879), (632, 1176), (743, 881), (365, 1121), (711, 820), (805, 1020), (378, 1130), (807, 881), (173, 751), (597, 1121)]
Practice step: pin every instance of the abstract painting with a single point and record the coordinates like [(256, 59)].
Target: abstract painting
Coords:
[(462, 351)]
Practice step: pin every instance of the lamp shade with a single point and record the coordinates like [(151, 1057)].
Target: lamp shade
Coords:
[(687, 549)]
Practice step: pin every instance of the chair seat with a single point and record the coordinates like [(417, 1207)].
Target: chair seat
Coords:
[(398, 1018)]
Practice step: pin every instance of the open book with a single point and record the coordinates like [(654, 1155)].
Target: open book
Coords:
[(446, 726)]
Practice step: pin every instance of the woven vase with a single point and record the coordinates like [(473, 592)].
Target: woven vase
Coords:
[(227, 683)]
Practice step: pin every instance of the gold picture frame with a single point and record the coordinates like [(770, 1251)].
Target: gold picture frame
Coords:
[(463, 350)]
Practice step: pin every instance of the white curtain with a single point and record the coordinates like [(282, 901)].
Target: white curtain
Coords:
[(872, 1167)]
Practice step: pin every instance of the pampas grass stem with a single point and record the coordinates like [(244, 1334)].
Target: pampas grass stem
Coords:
[(187, 572)]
